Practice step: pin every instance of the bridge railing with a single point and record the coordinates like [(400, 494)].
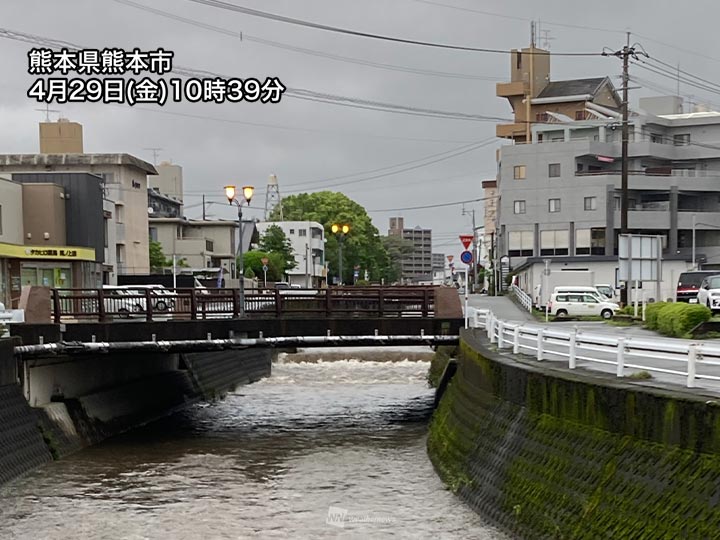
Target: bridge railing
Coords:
[(153, 304), (685, 360)]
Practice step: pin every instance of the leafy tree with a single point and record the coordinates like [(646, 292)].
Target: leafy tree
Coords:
[(274, 241), (253, 261), (397, 249), (158, 261), (157, 257), (361, 246)]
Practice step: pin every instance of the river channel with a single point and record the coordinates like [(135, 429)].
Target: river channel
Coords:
[(318, 450)]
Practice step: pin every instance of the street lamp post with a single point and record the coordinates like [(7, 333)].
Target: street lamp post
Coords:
[(247, 193), (340, 229)]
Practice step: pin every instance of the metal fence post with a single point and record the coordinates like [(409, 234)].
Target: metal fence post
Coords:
[(692, 358), (620, 356), (501, 334), (572, 349), (516, 340), (193, 304), (56, 305), (540, 336), (101, 305), (148, 306)]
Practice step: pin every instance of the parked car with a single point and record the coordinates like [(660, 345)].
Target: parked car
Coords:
[(689, 284), (123, 302), (709, 293), (581, 304), (576, 289)]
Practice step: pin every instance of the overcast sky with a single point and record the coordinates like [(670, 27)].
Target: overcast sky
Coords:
[(307, 143)]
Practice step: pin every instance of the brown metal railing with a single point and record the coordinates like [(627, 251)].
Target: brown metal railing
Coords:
[(160, 304)]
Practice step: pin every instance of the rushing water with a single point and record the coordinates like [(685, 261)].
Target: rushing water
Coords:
[(340, 442)]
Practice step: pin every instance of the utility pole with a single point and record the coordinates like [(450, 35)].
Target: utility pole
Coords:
[(625, 53)]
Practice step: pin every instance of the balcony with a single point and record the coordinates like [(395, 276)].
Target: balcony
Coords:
[(508, 131), (685, 180), (517, 88)]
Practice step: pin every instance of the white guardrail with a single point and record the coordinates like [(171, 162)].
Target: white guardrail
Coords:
[(523, 297), (675, 357)]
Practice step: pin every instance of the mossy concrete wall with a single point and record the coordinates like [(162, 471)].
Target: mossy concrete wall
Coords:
[(548, 453)]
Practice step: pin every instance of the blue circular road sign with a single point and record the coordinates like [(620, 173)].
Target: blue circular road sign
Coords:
[(466, 257)]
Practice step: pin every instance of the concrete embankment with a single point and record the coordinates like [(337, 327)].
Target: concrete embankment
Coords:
[(50, 407), (547, 453)]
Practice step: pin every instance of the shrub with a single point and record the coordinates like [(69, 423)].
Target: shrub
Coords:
[(651, 314), (677, 320)]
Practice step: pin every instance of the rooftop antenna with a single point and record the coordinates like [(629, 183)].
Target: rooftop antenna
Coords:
[(272, 197), (47, 110), (545, 39), (155, 151)]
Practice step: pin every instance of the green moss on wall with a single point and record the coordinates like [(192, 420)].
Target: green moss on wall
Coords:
[(548, 457)]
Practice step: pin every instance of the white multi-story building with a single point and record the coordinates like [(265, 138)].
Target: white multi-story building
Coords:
[(560, 195), (307, 239)]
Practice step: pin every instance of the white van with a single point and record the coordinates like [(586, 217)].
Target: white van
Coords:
[(577, 304), (580, 290)]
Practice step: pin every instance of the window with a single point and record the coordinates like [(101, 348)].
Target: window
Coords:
[(554, 170), (581, 115), (1, 228), (656, 138), (520, 244), (588, 299), (542, 117), (119, 214), (590, 203), (590, 241), (292, 231), (681, 139), (209, 245), (553, 205), (519, 172), (302, 232), (105, 231), (554, 243), (580, 167), (519, 207), (153, 234), (618, 204)]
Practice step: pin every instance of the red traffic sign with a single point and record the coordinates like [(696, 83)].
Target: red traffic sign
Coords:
[(466, 257), (450, 258), (466, 240)]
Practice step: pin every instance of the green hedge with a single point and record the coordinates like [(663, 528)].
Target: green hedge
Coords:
[(651, 314), (677, 319)]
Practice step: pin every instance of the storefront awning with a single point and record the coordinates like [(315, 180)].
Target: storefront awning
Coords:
[(62, 253)]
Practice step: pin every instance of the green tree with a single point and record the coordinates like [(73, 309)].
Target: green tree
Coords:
[(157, 257), (274, 242), (253, 261), (361, 246), (397, 249)]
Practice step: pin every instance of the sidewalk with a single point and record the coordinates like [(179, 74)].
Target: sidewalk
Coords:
[(501, 306)]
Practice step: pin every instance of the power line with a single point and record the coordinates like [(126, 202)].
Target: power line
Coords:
[(297, 93), (516, 17), (357, 181), (312, 52), (438, 205), (659, 70), (309, 24), (669, 45)]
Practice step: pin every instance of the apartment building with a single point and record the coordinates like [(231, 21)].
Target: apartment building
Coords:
[(36, 241), (561, 195), (419, 264), (307, 239), (124, 179)]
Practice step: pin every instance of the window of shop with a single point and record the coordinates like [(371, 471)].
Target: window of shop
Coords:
[(553, 243)]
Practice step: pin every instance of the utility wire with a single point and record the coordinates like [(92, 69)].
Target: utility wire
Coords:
[(438, 205), (312, 52), (676, 69), (297, 93), (357, 181), (516, 17), (658, 70), (309, 24)]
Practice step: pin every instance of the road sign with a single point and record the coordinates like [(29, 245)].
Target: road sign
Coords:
[(466, 257), (450, 258), (265, 267), (466, 240)]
